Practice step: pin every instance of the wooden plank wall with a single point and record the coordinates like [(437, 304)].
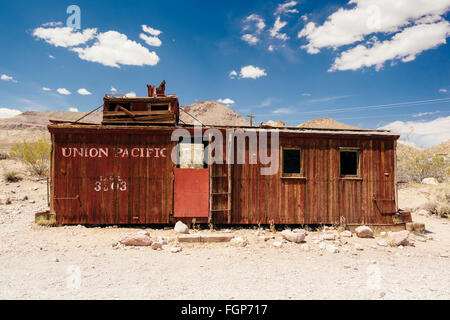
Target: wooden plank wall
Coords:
[(321, 196), (148, 197)]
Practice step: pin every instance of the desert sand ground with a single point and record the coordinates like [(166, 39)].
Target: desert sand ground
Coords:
[(81, 263)]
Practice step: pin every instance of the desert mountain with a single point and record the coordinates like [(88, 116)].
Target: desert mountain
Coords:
[(38, 120), (278, 124), (212, 113), (326, 123)]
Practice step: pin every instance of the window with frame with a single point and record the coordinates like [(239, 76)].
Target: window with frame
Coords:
[(349, 162), (291, 162), (192, 155)]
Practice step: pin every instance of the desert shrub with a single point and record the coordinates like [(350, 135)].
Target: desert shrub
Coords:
[(415, 164), (11, 175), (441, 197), (35, 155)]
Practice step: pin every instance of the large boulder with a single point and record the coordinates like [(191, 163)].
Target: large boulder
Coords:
[(364, 232), (136, 239), (180, 227), (296, 237), (399, 238)]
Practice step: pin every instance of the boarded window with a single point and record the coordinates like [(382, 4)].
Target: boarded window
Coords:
[(192, 155), (291, 161), (159, 107), (349, 162)]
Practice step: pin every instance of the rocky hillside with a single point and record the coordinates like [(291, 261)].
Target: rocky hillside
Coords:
[(212, 113), (38, 120), (326, 123)]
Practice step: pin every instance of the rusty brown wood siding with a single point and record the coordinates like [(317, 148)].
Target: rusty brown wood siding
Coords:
[(322, 196), (149, 195)]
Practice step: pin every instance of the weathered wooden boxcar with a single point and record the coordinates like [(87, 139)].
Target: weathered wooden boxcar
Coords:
[(117, 174)]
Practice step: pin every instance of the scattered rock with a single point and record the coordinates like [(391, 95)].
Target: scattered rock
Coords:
[(358, 247), (364, 232), (328, 236), (238, 242), (346, 233), (409, 226), (332, 249), (8, 201), (443, 255), (180, 227), (266, 238), (297, 230), (383, 234), (382, 243), (156, 246), (162, 240), (421, 239), (175, 249), (431, 181), (296, 237), (419, 226), (137, 239), (277, 244), (25, 198), (422, 212), (399, 238), (34, 188), (304, 247)]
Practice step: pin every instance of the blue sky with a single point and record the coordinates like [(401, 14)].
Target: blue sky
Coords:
[(293, 60)]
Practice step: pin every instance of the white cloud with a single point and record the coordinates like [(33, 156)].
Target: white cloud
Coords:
[(46, 89), (8, 113), (422, 133), (83, 92), (73, 109), (113, 89), (51, 57), (233, 74), (259, 22), (64, 37), (282, 111), (250, 39), (286, 8), (63, 91), (271, 48), (404, 46), (306, 94), (131, 94), (442, 90), (151, 41), (347, 26), (114, 49), (226, 101), (150, 30), (5, 77), (52, 24), (275, 30), (252, 72), (422, 114)]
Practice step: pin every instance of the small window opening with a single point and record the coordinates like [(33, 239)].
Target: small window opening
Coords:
[(349, 162), (192, 155), (291, 162), (159, 107)]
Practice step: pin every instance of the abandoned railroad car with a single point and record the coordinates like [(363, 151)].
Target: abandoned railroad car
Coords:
[(123, 172)]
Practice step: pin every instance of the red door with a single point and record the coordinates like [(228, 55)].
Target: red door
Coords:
[(191, 194)]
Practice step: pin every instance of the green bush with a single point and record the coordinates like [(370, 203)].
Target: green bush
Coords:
[(35, 155), (415, 164), (11, 175), (440, 196)]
